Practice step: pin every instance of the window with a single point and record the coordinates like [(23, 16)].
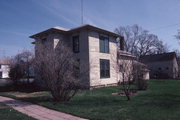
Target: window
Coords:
[(104, 44), (75, 44), (167, 68), (44, 40), (76, 68), (159, 68), (0, 74), (104, 68), (0, 66), (120, 68)]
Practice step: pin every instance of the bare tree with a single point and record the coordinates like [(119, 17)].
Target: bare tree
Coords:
[(27, 57), (140, 42), (59, 70), (125, 68), (17, 70), (178, 35), (130, 71)]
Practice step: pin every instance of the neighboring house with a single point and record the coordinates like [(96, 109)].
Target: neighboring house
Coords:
[(178, 60), (161, 65), (4, 68), (95, 47)]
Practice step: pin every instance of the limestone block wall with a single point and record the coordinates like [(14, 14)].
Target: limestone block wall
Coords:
[(94, 60)]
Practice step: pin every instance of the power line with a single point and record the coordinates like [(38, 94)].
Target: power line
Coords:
[(82, 12), (163, 27)]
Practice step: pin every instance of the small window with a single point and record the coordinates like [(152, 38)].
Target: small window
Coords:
[(159, 68), (0, 66), (76, 68), (43, 40), (167, 68), (120, 68), (104, 68), (75, 44), (104, 44), (0, 74)]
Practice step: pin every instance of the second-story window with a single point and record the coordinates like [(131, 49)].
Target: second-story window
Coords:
[(104, 44), (44, 40), (75, 44)]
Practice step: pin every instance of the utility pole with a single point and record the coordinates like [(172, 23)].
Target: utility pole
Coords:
[(4, 53), (82, 12)]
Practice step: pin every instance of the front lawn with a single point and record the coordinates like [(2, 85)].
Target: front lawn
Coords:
[(160, 102), (7, 113)]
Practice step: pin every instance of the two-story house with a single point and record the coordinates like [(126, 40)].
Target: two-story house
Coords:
[(95, 47)]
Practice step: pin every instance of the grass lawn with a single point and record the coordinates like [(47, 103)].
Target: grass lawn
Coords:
[(7, 113), (160, 102)]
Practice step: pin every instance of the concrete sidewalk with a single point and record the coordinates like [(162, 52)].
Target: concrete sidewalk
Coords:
[(36, 111)]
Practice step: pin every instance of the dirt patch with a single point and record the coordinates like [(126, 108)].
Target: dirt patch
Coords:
[(24, 95), (132, 93), (21, 95)]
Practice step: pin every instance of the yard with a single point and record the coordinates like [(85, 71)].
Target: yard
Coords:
[(161, 101), (7, 113)]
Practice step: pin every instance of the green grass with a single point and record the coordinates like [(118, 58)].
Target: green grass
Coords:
[(7, 113), (160, 102)]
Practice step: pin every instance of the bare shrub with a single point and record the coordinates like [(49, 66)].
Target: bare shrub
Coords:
[(139, 72), (125, 67), (58, 69)]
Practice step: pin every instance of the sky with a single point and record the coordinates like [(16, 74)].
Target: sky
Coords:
[(21, 18)]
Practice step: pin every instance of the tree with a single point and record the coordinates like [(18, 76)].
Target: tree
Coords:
[(20, 65), (140, 42), (17, 70), (27, 57), (126, 68), (178, 35), (58, 69)]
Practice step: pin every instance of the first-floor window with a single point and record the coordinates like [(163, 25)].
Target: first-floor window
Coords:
[(104, 68), (76, 68), (0, 74), (75, 44)]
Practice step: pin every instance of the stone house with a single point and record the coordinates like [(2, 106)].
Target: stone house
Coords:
[(161, 65), (93, 46), (4, 68)]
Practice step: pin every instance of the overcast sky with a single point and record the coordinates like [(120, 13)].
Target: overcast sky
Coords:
[(21, 18)]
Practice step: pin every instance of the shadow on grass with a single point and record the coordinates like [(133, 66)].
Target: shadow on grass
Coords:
[(21, 87)]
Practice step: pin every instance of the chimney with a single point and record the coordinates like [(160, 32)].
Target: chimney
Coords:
[(121, 43)]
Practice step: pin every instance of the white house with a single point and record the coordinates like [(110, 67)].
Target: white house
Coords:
[(95, 47), (4, 68)]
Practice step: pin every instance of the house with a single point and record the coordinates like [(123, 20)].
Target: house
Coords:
[(132, 67), (161, 65), (4, 68), (95, 47)]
